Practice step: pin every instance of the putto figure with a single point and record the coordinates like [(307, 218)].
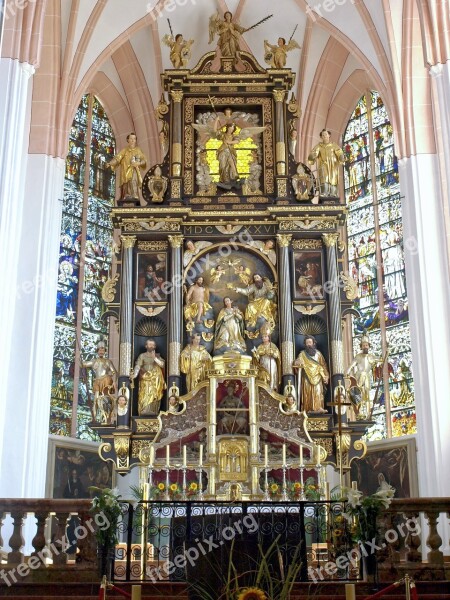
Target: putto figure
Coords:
[(313, 376), (150, 368), (180, 50), (131, 161), (275, 56), (329, 158)]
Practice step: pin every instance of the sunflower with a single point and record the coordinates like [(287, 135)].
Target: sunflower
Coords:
[(274, 487), (193, 486), (297, 485), (161, 486), (252, 593), (174, 487)]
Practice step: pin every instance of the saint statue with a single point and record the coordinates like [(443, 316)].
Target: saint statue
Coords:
[(197, 301), (228, 45), (150, 368), (362, 371), (194, 362), (180, 50), (229, 334), (275, 56), (313, 376), (104, 388), (229, 419), (329, 158), (130, 160), (261, 304), (267, 358)]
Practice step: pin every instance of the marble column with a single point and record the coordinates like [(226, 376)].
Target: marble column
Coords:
[(285, 309), (334, 306), (176, 316), (126, 306)]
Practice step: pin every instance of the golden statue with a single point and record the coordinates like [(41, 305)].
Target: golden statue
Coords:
[(195, 360), (150, 368), (267, 358), (275, 56), (329, 158), (180, 50), (131, 160), (362, 370), (313, 376), (197, 301), (104, 387), (229, 36), (261, 304), (229, 334)]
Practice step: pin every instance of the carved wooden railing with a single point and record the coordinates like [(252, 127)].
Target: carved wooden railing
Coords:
[(401, 553)]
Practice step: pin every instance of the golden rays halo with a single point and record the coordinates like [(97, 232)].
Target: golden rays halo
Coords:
[(252, 593)]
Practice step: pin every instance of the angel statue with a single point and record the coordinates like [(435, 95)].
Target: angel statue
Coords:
[(180, 50), (275, 56)]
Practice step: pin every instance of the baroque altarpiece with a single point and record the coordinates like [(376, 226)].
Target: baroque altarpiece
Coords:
[(231, 260)]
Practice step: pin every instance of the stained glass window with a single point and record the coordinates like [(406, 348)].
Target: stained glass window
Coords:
[(376, 262), (84, 261)]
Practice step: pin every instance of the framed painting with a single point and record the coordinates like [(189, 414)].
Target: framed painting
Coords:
[(73, 466), (308, 275), (151, 275), (393, 461)]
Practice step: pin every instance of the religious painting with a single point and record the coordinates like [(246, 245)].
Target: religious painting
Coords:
[(73, 467), (393, 461), (308, 278), (151, 275), (232, 407)]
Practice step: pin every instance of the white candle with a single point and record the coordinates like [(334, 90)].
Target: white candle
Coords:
[(301, 455), (200, 460), (266, 456), (152, 455), (284, 455), (167, 456), (354, 485), (184, 456), (318, 455)]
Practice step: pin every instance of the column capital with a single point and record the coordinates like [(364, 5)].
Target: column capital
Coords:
[(128, 241), (279, 95), (177, 95), (330, 239), (175, 240), (284, 239)]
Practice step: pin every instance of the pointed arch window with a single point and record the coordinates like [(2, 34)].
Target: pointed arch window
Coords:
[(84, 263), (376, 261)]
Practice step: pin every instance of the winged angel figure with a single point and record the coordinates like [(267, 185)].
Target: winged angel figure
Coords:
[(224, 127), (275, 56), (180, 50)]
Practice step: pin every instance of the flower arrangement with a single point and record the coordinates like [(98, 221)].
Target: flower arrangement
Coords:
[(364, 511), (106, 503)]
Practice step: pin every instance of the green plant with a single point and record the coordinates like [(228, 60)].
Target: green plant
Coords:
[(106, 503), (364, 511)]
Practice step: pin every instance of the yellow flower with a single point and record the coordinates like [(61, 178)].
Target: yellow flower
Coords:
[(311, 487), (274, 487), (297, 485), (193, 486), (337, 532), (252, 593), (161, 486), (174, 487)]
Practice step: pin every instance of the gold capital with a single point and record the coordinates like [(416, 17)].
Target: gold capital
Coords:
[(279, 95), (177, 95), (128, 241), (175, 240), (330, 239), (284, 239)]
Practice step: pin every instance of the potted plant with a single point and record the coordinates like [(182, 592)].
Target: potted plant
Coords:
[(106, 504)]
